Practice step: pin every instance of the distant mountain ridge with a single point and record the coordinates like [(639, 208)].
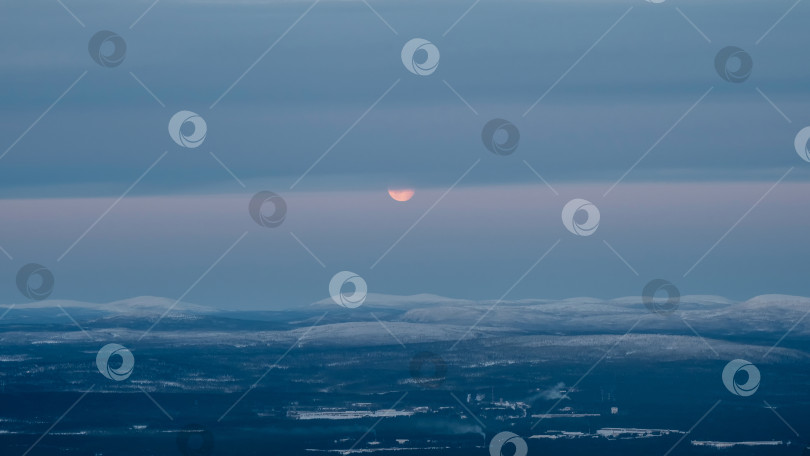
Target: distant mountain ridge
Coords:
[(425, 305), (715, 315), (703, 327)]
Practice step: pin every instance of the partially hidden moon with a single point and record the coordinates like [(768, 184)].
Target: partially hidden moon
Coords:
[(401, 194)]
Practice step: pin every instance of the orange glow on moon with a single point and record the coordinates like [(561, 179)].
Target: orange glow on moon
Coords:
[(401, 194)]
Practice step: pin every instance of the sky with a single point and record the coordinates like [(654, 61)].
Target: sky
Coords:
[(716, 204)]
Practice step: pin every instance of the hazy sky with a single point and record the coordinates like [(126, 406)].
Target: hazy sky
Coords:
[(617, 102)]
